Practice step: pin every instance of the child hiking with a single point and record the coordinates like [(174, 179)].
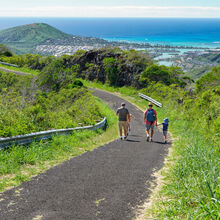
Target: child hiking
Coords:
[(165, 125), (150, 119), (129, 121)]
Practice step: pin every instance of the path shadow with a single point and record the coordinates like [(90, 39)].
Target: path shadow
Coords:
[(161, 142), (132, 135), (158, 142), (132, 140)]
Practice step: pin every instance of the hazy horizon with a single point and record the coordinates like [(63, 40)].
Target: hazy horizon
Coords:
[(114, 8)]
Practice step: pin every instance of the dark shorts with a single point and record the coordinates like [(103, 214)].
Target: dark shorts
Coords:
[(164, 132), (148, 127)]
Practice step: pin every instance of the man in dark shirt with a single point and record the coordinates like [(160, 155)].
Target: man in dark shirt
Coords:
[(123, 116)]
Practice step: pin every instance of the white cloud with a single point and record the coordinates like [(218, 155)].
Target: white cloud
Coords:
[(115, 11)]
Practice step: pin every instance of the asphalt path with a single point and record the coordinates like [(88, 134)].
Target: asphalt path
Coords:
[(108, 183)]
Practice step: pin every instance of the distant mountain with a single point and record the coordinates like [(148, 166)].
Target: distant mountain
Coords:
[(26, 38), (40, 38)]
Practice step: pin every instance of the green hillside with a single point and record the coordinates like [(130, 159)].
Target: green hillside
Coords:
[(25, 38), (31, 33)]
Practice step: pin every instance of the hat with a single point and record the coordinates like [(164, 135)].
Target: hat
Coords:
[(150, 103), (166, 120), (123, 104)]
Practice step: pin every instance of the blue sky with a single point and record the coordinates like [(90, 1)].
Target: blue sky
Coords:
[(110, 8)]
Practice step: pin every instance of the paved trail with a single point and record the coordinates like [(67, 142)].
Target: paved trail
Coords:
[(107, 183)]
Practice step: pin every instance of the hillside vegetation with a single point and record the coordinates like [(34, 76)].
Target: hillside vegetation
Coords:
[(192, 188), (118, 68), (25, 38), (107, 65), (4, 51), (27, 105)]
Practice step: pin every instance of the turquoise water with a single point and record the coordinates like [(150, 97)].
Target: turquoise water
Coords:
[(201, 32), (205, 41)]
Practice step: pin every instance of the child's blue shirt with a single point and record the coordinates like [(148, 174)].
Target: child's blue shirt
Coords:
[(165, 126)]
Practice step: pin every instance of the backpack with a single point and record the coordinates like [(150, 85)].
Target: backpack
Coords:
[(150, 116)]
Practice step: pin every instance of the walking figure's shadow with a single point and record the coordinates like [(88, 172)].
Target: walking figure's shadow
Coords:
[(129, 140)]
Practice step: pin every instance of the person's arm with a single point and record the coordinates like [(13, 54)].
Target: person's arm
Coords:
[(133, 117), (145, 116), (117, 113), (155, 116), (128, 116)]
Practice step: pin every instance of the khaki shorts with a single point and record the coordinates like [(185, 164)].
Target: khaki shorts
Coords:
[(123, 124)]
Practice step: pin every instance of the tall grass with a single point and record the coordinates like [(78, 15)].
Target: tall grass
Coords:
[(19, 163), (192, 180), (191, 188)]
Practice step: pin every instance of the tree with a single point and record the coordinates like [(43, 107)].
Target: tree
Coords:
[(4, 51), (209, 80), (111, 70), (155, 73)]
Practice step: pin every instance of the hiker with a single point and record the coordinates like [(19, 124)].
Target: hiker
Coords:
[(129, 121), (165, 125), (150, 119), (123, 117)]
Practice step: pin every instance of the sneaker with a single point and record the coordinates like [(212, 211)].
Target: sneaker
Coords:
[(151, 140), (121, 138), (165, 142), (125, 137), (148, 138)]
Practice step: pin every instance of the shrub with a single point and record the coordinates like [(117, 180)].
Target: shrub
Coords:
[(111, 70)]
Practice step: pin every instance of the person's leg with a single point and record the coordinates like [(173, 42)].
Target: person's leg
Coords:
[(147, 130), (129, 126), (120, 129), (125, 129), (165, 136), (152, 132), (120, 132)]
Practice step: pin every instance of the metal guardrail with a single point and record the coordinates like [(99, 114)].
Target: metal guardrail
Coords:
[(8, 64), (150, 99), (43, 135)]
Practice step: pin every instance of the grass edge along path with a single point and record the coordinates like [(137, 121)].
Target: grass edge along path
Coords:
[(24, 70), (26, 162), (188, 186)]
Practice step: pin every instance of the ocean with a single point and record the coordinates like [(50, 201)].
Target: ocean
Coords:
[(201, 32)]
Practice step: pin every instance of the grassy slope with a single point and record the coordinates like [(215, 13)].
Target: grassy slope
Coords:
[(191, 183), (30, 34), (19, 163), (24, 38)]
